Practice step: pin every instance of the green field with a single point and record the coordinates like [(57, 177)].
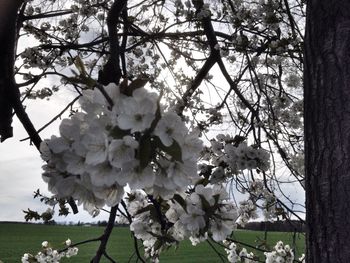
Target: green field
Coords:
[(17, 239)]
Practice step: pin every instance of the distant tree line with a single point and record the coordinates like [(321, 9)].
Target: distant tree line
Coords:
[(280, 226)]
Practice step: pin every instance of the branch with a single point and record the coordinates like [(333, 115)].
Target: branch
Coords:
[(54, 118), (109, 258), (80, 243), (17, 105), (124, 41), (57, 13), (74, 45), (247, 245), (137, 251), (111, 71), (48, 14), (8, 23), (104, 238), (209, 63), (216, 251)]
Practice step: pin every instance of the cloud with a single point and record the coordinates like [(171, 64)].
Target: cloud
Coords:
[(19, 178), (20, 162)]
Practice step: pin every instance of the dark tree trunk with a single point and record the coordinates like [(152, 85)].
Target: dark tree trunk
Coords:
[(327, 130), (8, 19)]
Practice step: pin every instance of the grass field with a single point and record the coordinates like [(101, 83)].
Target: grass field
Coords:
[(17, 239)]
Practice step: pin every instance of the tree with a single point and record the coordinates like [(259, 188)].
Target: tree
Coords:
[(326, 131), (8, 40), (227, 65)]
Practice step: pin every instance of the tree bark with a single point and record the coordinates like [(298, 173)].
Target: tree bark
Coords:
[(327, 131), (9, 91), (8, 19)]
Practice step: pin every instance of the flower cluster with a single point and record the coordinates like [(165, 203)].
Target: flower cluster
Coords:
[(246, 157), (35, 58), (230, 155), (120, 139), (233, 257), (238, 155), (231, 251), (202, 212), (258, 192), (48, 254), (205, 211), (246, 257), (145, 225), (281, 253), (247, 211), (297, 162)]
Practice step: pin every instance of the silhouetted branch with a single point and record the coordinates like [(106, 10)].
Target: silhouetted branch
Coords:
[(55, 118), (111, 71), (8, 89), (105, 237), (135, 239)]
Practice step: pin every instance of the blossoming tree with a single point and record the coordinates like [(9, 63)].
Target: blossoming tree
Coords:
[(177, 104)]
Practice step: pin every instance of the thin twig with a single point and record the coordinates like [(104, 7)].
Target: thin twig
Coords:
[(216, 251), (135, 239), (54, 118)]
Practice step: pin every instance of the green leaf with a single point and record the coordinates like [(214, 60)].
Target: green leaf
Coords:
[(238, 140), (151, 209), (30, 215), (88, 81), (82, 77), (74, 72), (131, 19), (204, 181), (145, 209), (79, 64), (118, 133), (174, 150), (178, 198), (164, 239), (138, 83), (157, 117), (145, 151), (135, 84), (157, 245), (216, 198), (205, 204)]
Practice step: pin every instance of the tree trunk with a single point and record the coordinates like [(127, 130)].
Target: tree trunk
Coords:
[(327, 130), (8, 17)]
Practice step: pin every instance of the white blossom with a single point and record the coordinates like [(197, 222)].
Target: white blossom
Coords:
[(68, 242), (50, 255), (122, 151), (97, 148), (169, 128), (281, 254), (99, 152), (45, 244), (137, 112)]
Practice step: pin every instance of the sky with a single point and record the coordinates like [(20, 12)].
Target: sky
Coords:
[(20, 164)]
